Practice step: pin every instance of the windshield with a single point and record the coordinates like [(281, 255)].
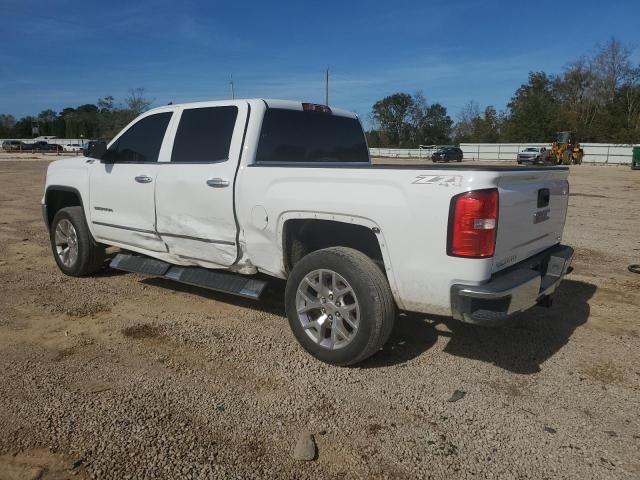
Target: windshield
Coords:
[(530, 149)]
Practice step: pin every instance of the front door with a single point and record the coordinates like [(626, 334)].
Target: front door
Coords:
[(194, 190), (121, 193)]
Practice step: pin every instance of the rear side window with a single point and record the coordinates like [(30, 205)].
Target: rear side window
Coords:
[(204, 135), (298, 136), (142, 142)]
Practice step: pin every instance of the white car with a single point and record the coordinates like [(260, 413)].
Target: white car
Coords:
[(226, 194), (72, 147), (531, 155)]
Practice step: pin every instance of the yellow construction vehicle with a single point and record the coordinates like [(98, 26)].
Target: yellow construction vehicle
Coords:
[(564, 151)]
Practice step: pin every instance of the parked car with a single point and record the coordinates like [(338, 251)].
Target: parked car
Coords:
[(12, 145), (447, 154), (72, 147), (238, 191), (533, 155), (42, 146)]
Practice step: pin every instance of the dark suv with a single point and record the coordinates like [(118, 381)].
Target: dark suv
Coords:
[(446, 154)]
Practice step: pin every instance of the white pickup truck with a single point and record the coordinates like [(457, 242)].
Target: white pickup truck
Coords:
[(226, 194)]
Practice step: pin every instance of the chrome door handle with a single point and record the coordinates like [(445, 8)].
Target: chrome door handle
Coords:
[(218, 182), (143, 179)]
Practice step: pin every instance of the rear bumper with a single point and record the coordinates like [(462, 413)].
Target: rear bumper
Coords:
[(514, 290)]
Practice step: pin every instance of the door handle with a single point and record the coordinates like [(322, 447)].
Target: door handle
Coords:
[(143, 179), (218, 182)]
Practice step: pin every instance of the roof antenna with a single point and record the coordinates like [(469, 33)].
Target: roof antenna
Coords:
[(233, 95)]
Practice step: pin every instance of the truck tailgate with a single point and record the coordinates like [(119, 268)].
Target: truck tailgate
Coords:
[(532, 211)]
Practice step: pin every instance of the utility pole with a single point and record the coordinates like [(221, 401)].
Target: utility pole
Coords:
[(233, 95), (326, 87)]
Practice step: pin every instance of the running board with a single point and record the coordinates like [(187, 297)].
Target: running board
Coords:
[(233, 283)]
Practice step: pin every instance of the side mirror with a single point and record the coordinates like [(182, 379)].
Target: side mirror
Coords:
[(96, 149)]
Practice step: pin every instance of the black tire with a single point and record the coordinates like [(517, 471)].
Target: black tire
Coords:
[(370, 285), (90, 256)]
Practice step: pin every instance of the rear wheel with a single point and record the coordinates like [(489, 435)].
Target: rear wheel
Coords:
[(339, 305), (74, 249)]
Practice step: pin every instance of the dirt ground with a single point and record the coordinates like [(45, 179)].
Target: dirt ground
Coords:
[(124, 376)]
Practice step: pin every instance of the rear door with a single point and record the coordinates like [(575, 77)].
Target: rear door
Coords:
[(531, 216), (195, 189)]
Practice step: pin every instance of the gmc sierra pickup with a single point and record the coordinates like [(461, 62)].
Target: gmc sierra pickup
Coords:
[(226, 194)]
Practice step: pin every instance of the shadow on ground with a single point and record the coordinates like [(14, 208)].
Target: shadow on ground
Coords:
[(521, 346)]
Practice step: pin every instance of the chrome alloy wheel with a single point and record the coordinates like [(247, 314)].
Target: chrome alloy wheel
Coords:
[(66, 240), (328, 309)]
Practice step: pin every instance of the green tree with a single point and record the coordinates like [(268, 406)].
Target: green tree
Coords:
[(48, 123), (407, 121), (533, 111), (575, 90), (392, 115), (7, 124), (437, 126), (22, 128)]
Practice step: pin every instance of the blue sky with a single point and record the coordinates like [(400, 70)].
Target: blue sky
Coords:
[(55, 54)]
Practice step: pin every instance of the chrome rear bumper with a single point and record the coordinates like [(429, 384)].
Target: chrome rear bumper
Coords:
[(514, 290)]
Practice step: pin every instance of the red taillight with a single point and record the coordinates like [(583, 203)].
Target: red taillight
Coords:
[(314, 107), (473, 223)]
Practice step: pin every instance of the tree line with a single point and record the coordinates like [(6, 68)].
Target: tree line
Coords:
[(597, 96), (103, 119)]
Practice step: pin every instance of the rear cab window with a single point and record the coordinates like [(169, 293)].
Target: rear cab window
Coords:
[(204, 135), (296, 136)]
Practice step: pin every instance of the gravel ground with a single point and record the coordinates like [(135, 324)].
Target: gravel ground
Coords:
[(122, 376)]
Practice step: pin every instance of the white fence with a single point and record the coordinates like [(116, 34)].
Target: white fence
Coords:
[(599, 153), (58, 141)]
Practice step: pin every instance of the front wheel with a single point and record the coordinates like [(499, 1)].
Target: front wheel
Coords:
[(339, 305), (74, 249)]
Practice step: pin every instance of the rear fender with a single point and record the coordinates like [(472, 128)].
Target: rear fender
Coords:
[(348, 219)]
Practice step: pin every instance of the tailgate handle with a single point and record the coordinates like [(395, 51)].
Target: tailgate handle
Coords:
[(543, 197)]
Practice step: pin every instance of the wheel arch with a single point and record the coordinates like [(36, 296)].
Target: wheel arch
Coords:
[(350, 231), (57, 197)]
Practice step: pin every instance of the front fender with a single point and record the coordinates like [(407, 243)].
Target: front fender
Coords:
[(71, 175)]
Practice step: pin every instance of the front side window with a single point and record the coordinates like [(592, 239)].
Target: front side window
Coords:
[(204, 135), (300, 136), (141, 142)]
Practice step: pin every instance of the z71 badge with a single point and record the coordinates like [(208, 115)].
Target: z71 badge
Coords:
[(440, 180)]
